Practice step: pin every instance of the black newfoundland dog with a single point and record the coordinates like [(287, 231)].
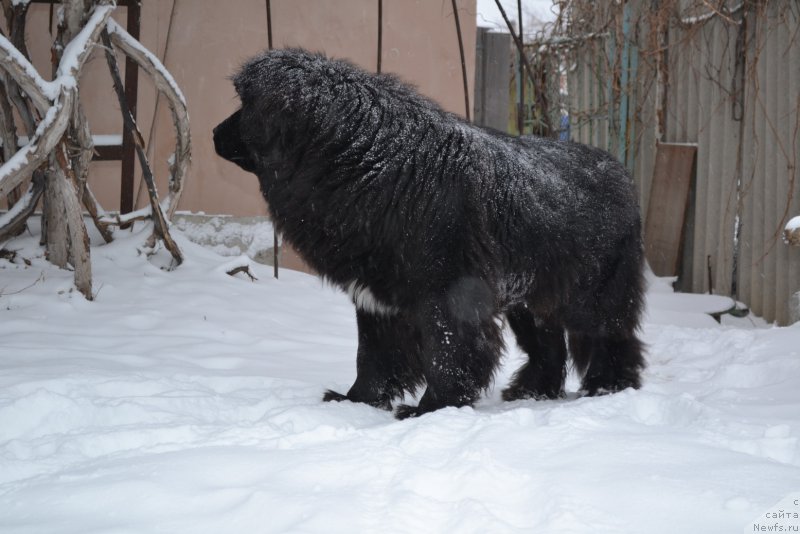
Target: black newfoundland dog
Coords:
[(437, 228)]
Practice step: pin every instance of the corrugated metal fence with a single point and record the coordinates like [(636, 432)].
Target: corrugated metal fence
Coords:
[(726, 79)]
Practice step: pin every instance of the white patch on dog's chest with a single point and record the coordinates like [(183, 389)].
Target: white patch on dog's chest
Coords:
[(365, 300)]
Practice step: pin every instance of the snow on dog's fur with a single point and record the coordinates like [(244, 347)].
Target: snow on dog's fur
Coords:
[(437, 227)]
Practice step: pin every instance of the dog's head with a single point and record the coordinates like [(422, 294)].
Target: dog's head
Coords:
[(229, 143), (289, 99), (273, 89)]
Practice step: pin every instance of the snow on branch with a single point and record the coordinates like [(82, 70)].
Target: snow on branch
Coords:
[(791, 233), (711, 12), (77, 50), (21, 71), (13, 219), (40, 91), (146, 59), (61, 144), (31, 156), (160, 225), (54, 99), (166, 84)]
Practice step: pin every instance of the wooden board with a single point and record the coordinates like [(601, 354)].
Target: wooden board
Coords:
[(673, 174)]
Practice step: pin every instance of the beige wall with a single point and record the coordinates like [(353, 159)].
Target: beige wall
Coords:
[(211, 38)]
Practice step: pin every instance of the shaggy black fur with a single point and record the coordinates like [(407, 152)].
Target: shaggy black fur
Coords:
[(437, 228)]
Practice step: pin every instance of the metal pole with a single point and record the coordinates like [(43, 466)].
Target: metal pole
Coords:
[(463, 61), (521, 75), (274, 231), (380, 34), (131, 90), (622, 147), (516, 40)]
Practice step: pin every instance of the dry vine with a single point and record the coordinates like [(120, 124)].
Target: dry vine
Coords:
[(663, 31), (720, 73), (55, 160)]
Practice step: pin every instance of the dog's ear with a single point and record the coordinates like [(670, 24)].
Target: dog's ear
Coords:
[(229, 144)]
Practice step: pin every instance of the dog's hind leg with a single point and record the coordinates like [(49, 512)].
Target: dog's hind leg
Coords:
[(543, 375), (608, 364), (387, 362), (459, 356)]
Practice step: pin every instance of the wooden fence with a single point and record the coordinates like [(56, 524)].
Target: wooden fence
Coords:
[(625, 77)]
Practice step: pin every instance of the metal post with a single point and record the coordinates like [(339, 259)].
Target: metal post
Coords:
[(275, 245), (520, 75), (622, 148), (380, 34), (463, 61), (131, 90), (632, 83), (612, 59)]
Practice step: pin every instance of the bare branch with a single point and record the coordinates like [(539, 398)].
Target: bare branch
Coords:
[(61, 142), (3, 291), (63, 90), (791, 234), (160, 225), (77, 50), (126, 219), (177, 103), (242, 269), (523, 57), (96, 212), (25, 75), (16, 14), (13, 221), (48, 133), (7, 127)]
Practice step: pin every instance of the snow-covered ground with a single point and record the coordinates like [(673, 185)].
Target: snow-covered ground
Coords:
[(189, 401)]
